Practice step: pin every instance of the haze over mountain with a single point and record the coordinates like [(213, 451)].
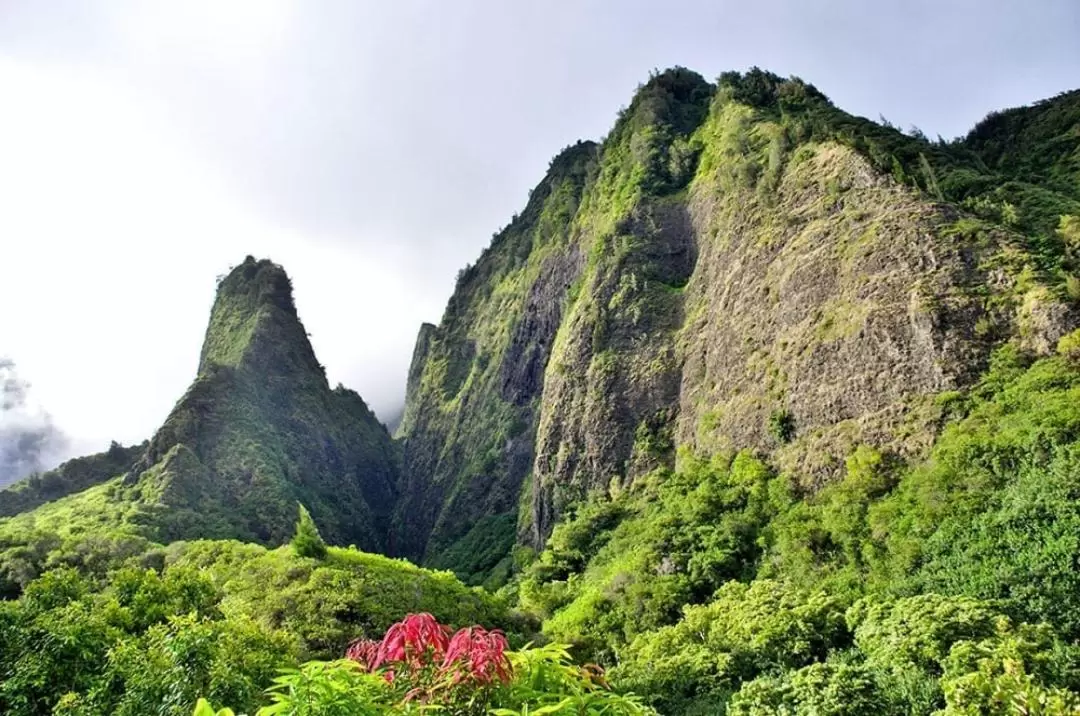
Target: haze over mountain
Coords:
[(372, 151)]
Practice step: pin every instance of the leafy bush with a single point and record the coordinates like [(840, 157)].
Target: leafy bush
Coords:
[(781, 426), (747, 630), (307, 541), (919, 630), (146, 642), (828, 689), (1009, 672)]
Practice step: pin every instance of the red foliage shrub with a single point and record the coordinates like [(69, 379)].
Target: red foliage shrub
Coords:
[(421, 653), (416, 640), (482, 653), (364, 652)]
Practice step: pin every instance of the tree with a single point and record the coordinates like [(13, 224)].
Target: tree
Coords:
[(307, 541), (1069, 231)]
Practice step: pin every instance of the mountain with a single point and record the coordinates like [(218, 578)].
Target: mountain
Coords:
[(260, 429), (257, 431), (738, 265)]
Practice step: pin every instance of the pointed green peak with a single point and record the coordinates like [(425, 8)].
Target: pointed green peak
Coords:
[(677, 99), (256, 283), (254, 322)]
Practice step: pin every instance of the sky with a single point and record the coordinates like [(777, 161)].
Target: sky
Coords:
[(371, 148)]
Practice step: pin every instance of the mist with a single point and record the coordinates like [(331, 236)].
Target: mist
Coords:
[(29, 440)]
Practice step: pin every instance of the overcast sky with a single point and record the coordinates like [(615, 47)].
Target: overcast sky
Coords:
[(373, 148)]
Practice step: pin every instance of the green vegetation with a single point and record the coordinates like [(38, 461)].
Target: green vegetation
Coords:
[(482, 556), (421, 666), (782, 426), (949, 583), (213, 619), (307, 541), (1019, 168), (73, 476)]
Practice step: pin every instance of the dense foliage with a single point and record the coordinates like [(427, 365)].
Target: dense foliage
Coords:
[(946, 584), (218, 619)]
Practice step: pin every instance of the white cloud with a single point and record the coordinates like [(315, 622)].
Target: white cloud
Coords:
[(112, 235)]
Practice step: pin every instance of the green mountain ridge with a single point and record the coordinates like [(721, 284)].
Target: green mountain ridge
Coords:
[(735, 262), (72, 476)]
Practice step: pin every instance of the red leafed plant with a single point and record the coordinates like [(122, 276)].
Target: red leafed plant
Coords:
[(478, 654), (419, 655), (364, 652), (415, 641)]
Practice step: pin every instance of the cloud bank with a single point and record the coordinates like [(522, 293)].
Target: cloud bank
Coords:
[(29, 440)]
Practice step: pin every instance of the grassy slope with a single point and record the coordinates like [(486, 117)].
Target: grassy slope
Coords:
[(327, 603)]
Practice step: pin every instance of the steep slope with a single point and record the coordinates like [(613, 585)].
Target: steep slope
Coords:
[(258, 430), (736, 266), (476, 379), (1038, 145)]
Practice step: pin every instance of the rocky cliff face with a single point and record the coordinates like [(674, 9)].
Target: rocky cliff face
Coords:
[(736, 266), (476, 379)]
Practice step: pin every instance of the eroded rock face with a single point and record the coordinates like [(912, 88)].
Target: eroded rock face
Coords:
[(612, 386), (522, 371), (839, 303)]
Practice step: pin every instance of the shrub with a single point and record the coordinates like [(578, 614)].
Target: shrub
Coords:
[(782, 426), (307, 541), (744, 632), (1069, 346), (827, 689)]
